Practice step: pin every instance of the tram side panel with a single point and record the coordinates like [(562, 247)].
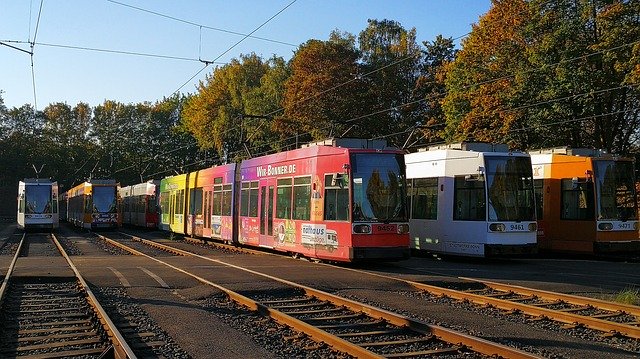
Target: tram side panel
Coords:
[(138, 204), (324, 202), (173, 192), (211, 201), (586, 204), (457, 205)]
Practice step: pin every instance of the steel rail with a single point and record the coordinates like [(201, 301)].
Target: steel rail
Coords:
[(477, 344), (120, 346), (5, 282), (573, 299), (504, 304), (120, 245)]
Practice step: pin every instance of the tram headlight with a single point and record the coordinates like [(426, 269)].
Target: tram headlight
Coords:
[(497, 227), (403, 228), (533, 227), (362, 228), (606, 226)]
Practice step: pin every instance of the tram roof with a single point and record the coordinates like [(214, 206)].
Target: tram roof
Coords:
[(566, 150), (469, 146), (38, 180)]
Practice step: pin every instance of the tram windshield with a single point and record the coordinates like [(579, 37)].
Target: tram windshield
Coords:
[(615, 189), (379, 192), (510, 188), (104, 199), (38, 199)]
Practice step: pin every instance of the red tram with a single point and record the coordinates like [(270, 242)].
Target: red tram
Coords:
[(138, 205), (337, 200)]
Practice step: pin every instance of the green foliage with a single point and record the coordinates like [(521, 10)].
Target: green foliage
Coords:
[(391, 60), (628, 296), (215, 114)]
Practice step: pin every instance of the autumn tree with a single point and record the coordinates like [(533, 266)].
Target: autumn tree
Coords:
[(324, 93), (481, 88), (539, 74), (214, 115)]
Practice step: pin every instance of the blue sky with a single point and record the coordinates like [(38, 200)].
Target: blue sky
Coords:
[(73, 75)]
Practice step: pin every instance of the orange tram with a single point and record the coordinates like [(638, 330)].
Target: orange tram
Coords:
[(586, 201)]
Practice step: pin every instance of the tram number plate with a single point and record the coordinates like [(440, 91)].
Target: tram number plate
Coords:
[(517, 227), (624, 226)]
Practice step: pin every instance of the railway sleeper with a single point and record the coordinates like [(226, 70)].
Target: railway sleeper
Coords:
[(335, 317), (426, 339), (77, 334), (57, 330), (394, 331), (51, 325), (70, 353), (439, 351), (350, 325)]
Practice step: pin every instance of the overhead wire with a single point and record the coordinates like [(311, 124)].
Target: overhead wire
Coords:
[(120, 52), (280, 143), (234, 45), (488, 81), (197, 24)]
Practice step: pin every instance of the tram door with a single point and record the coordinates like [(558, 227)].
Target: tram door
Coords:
[(267, 191)]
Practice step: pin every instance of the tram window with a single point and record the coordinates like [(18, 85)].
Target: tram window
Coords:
[(244, 199), (469, 199), (179, 202), (253, 199), (538, 188), (88, 204), (424, 198), (226, 200), (196, 201), (217, 200), (577, 199), (283, 198), (22, 203), (336, 200), (302, 198), (164, 206), (54, 203)]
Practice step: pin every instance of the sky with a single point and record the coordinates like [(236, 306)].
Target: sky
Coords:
[(67, 68)]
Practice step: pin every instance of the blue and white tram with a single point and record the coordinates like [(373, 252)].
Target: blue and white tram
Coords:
[(471, 199), (38, 204)]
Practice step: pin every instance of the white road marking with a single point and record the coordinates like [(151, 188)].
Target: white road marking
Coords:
[(154, 276), (122, 279)]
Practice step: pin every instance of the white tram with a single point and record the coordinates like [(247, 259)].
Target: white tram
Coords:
[(471, 199), (38, 204)]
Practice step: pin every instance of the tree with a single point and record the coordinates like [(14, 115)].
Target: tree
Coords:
[(539, 74), (430, 86), (480, 82), (214, 114), (323, 92), (391, 61)]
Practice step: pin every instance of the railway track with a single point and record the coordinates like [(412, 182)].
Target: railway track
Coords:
[(53, 317), (346, 325), (613, 319)]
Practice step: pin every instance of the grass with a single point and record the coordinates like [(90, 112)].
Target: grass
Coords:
[(628, 296)]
